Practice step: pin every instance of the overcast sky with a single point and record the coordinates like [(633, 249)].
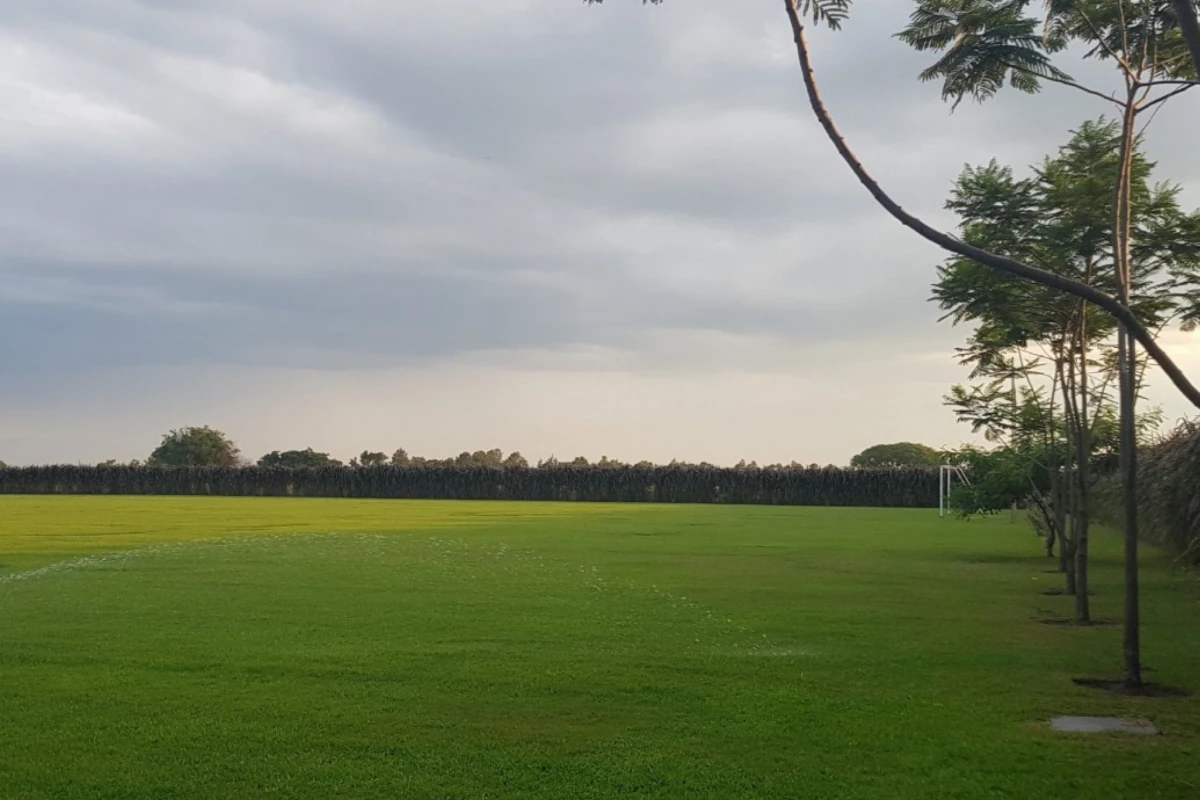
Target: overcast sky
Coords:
[(526, 224)]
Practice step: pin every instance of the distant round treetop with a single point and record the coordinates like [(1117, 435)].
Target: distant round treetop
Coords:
[(900, 454), (195, 447)]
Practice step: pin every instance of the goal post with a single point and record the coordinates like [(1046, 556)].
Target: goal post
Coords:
[(947, 475)]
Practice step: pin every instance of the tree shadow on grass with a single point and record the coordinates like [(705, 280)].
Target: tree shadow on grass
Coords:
[(1123, 688), (1002, 558)]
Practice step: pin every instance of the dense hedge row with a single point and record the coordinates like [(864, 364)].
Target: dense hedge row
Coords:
[(917, 487), (1168, 494)]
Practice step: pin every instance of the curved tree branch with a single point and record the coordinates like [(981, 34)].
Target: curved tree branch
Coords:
[(1065, 82), (1165, 97), (991, 260)]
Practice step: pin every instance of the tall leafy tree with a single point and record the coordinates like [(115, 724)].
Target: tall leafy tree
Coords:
[(1035, 69)]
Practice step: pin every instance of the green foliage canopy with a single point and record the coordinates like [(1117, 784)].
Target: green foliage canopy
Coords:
[(195, 447), (899, 454), (297, 459)]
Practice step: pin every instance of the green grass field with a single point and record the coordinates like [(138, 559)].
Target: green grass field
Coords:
[(234, 648)]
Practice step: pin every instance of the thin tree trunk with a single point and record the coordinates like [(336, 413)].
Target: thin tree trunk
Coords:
[(1071, 479), (1051, 531), (1189, 26), (1082, 510), (1059, 478), (1012, 517), (1050, 515), (1131, 640), (1007, 265), (1072, 585), (1064, 545), (1131, 647), (1047, 515)]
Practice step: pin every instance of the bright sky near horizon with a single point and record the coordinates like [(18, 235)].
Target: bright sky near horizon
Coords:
[(525, 224)]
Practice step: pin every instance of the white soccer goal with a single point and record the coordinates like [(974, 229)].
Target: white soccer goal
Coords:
[(947, 474)]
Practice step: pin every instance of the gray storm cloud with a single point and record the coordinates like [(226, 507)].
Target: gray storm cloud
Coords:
[(355, 188)]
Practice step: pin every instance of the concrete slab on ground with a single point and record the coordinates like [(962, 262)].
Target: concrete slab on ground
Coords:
[(1103, 725)]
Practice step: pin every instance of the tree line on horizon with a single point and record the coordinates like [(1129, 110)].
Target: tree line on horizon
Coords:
[(205, 446), (900, 487)]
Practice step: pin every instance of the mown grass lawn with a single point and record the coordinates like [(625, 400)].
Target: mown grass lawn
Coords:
[(233, 648)]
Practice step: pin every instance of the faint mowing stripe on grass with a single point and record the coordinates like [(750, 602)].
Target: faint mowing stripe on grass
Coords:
[(622, 616), (122, 558)]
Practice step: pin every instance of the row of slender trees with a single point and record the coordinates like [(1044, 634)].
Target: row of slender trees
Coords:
[(914, 487), (983, 46), (1047, 365)]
